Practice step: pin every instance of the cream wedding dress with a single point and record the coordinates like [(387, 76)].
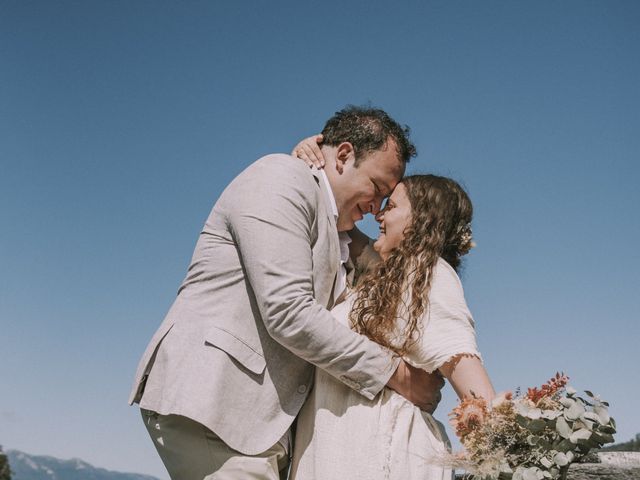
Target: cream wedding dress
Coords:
[(341, 435)]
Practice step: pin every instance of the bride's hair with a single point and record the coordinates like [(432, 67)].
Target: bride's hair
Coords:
[(391, 298)]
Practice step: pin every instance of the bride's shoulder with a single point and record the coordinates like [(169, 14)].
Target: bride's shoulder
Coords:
[(445, 280), (444, 270)]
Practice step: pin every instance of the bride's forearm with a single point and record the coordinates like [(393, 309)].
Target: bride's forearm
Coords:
[(468, 377)]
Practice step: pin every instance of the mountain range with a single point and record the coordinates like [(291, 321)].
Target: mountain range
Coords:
[(35, 467)]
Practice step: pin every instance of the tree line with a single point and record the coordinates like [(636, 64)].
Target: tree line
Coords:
[(630, 446), (5, 471)]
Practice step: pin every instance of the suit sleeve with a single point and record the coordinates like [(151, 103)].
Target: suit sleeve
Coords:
[(271, 220)]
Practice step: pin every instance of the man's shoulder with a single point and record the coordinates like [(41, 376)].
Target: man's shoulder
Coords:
[(282, 170), (282, 162), (276, 174)]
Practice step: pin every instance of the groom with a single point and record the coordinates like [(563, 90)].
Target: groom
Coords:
[(225, 375)]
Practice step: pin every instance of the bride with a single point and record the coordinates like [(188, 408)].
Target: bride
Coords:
[(408, 298)]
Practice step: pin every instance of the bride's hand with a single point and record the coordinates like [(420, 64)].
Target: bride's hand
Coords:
[(309, 151)]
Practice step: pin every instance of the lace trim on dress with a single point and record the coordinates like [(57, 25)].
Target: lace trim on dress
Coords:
[(455, 357)]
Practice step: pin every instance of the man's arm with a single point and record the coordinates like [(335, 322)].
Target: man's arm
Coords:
[(271, 220), (271, 213)]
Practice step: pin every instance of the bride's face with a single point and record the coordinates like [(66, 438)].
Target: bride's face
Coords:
[(393, 220)]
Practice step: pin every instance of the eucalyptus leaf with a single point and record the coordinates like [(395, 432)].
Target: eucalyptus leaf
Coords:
[(582, 434), (544, 444), (551, 414), (590, 416), (522, 408), (563, 428), (530, 474), (534, 413), (536, 425), (591, 443), (606, 438), (603, 414), (574, 411), (560, 459), (565, 445), (567, 402), (589, 393), (584, 423)]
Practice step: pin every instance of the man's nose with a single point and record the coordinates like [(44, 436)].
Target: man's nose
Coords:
[(379, 216)]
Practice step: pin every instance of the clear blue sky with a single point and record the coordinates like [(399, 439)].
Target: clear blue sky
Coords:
[(121, 122)]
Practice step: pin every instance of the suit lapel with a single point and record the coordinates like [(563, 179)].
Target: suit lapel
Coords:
[(331, 233)]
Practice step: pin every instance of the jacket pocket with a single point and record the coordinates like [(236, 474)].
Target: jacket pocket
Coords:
[(236, 348)]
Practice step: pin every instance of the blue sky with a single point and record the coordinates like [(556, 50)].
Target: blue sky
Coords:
[(121, 122)]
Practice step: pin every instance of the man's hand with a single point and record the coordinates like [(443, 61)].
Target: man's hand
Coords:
[(419, 387)]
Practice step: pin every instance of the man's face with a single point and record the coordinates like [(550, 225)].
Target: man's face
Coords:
[(361, 190)]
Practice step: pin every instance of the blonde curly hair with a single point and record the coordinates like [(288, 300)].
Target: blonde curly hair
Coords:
[(391, 298)]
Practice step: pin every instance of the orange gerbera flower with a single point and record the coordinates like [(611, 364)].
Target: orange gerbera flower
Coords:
[(468, 416)]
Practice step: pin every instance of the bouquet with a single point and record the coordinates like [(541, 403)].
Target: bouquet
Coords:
[(532, 436)]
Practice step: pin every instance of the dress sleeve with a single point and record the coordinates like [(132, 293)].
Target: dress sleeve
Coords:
[(447, 328)]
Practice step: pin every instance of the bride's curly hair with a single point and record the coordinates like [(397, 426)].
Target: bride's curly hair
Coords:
[(391, 298)]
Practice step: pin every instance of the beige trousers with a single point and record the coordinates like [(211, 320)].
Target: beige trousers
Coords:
[(190, 451)]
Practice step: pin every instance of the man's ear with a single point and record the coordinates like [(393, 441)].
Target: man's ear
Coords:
[(344, 154)]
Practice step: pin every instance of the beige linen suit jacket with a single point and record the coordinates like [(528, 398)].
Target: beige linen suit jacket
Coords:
[(237, 348)]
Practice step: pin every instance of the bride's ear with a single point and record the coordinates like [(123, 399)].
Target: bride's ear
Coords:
[(344, 154)]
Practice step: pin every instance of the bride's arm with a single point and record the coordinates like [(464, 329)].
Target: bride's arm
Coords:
[(468, 377)]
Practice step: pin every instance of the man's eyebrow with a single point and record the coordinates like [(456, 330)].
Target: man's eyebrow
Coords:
[(386, 190), (382, 188)]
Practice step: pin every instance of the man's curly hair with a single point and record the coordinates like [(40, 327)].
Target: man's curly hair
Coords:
[(368, 130), (392, 297)]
